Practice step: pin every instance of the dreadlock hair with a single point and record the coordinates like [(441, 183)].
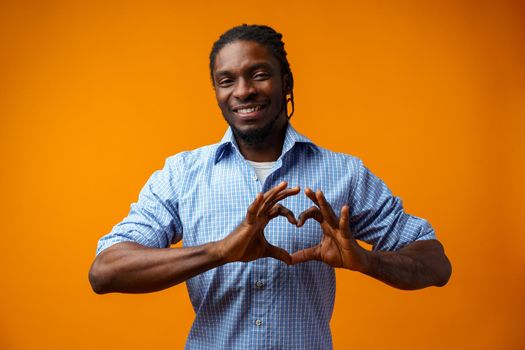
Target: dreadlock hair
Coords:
[(265, 36)]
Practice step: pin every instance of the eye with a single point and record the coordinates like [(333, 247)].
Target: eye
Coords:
[(224, 82), (261, 76)]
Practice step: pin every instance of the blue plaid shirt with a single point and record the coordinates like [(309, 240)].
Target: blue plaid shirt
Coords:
[(202, 196)]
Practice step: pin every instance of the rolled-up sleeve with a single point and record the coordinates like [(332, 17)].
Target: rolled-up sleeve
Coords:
[(378, 217), (153, 220)]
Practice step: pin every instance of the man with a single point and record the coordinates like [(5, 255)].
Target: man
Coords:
[(257, 276)]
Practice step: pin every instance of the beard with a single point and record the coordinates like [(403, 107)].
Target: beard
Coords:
[(254, 136)]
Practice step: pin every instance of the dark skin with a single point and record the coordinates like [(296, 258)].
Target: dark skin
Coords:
[(131, 268), (417, 265), (246, 75)]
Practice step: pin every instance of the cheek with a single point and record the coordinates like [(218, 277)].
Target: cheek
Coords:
[(276, 92), (279, 98), (222, 100), (223, 106)]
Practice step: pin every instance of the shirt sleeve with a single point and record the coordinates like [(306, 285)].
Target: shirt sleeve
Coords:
[(378, 218), (153, 220)]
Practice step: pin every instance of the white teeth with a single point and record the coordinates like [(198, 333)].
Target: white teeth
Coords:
[(249, 110)]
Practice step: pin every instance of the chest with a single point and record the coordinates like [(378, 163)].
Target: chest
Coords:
[(214, 203)]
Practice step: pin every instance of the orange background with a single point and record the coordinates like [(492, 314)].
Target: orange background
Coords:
[(94, 95)]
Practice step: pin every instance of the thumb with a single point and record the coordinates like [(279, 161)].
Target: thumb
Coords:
[(278, 253)]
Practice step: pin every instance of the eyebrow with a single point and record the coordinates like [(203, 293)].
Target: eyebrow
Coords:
[(255, 66)]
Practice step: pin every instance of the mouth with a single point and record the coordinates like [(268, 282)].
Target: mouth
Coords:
[(248, 110)]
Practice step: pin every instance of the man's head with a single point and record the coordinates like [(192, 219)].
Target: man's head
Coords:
[(252, 79)]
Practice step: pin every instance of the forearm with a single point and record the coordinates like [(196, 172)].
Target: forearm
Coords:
[(132, 268), (418, 265)]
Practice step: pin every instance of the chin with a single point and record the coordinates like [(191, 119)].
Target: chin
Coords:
[(253, 134)]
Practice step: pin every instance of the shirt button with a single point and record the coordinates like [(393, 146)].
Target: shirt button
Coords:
[(259, 284), (258, 322), (255, 177)]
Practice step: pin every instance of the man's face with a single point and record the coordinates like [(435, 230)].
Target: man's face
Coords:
[(249, 90)]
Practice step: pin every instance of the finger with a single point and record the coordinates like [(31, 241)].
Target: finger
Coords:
[(279, 254), (280, 210), (326, 209), (276, 189), (311, 253), (311, 213), (344, 221), (279, 197), (271, 193), (257, 204), (253, 209), (310, 194)]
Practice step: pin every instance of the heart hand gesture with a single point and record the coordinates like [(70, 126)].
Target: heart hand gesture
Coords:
[(337, 248), (247, 241)]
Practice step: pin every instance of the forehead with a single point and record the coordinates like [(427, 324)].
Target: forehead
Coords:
[(241, 54)]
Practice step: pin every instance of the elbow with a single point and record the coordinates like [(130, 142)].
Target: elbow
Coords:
[(443, 276), (99, 278)]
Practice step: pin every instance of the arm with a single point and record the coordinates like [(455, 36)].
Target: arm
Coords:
[(129, 267), (417, 265), (133, 268)]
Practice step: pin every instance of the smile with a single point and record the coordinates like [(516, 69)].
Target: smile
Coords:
[(248, 109)]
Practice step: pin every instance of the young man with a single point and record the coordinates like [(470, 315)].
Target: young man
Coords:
[(256, 280)]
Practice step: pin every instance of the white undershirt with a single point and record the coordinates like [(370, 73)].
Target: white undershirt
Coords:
[(262, 169)]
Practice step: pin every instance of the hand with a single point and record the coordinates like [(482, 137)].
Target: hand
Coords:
[(247, 241), (337, 248)]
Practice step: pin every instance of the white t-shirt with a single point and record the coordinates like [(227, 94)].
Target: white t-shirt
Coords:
[(262, 169)]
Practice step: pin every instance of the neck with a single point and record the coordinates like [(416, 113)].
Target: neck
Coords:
[(269, 149)]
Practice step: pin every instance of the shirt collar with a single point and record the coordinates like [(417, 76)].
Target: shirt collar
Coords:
[(290, 139)]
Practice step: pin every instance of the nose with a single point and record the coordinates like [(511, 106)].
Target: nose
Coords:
[(244, 89)]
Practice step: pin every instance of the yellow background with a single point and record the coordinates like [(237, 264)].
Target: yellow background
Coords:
[(94, 95)]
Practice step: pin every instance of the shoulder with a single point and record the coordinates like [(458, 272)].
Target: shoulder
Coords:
[(193, 159), (186, 168), (336, 159)]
